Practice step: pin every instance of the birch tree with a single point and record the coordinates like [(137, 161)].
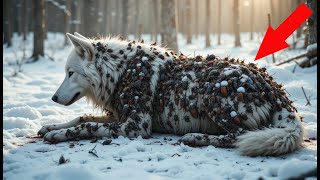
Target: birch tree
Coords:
[(90, 18), (207, 23), (252, 19), (219, 22), (168, 23), (124, 28), (236, 22), (155, 5), (137, 20), (188, 13), (196, 16), (273, 12), (24, 22)]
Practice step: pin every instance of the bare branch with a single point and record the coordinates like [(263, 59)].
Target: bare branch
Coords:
[(308, 100), (59, 6), (93, 151), (291, 59)]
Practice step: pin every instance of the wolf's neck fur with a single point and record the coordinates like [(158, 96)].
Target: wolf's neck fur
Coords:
[(110, 63)]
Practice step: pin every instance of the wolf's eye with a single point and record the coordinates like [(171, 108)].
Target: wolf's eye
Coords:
[(70, 73)]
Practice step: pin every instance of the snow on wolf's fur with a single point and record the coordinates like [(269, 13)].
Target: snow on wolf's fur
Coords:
[(148, 88)]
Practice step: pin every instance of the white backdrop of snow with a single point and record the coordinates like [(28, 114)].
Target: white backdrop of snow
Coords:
[(27, 106)]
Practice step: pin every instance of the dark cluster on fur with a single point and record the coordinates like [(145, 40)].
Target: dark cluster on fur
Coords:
[(133, 94), (259, 89)]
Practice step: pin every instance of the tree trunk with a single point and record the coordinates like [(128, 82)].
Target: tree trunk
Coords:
[(19, 17), (46, 19), (99, 17), (219, 22), (269, 23), (137, 23), (24, 22), (189, 33), (236, 23), (312, 22), (169, 31), (108, 17), (299, 30), (38, 29), (74, 27), (90, 18), (66, 18), (155, 4), (252, 19), (196, 16), (208, 20), (7, 20), (181, 17), (103, 11), (30, 16), (273, 13), (117, 17), (125, 8)]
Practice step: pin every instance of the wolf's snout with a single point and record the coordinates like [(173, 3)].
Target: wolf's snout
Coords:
[(54, 98)]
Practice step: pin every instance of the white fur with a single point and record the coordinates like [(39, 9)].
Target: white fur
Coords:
[(273, 141)]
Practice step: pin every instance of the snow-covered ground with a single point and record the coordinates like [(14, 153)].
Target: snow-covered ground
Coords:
[(27, 106)]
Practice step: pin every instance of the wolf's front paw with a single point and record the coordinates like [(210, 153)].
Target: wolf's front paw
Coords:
[(44, 130), (56, 136)]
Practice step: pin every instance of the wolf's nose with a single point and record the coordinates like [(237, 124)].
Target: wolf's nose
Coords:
[(54, 98)]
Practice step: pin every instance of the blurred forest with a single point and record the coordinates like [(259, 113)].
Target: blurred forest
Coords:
[(161, 19)]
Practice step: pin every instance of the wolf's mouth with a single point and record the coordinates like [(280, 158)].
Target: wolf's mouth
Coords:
[(73, 99)]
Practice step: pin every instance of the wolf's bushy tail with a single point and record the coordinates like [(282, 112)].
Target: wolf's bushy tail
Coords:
[(273, 141)]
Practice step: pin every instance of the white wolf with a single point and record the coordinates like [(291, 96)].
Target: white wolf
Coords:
[(145, 88)]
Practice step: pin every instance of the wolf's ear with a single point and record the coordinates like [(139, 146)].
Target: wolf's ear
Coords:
[(80, 36), (83, 47)]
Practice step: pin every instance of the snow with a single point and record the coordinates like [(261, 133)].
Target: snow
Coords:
[(224, 83), (233, 114), (185, 78), (27, 105), (228, 72), (295, 167), (312, 47), (144, 58), (25, 111), (141, 74), (241, 89)]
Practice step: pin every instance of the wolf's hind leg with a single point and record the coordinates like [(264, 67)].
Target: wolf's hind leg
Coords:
[(101, 119), (198, 139)]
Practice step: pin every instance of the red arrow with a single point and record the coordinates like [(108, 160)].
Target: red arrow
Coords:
[(274, 40)]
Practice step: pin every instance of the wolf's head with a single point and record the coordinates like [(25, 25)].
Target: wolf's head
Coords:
[(95, 66), (75, 84)]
